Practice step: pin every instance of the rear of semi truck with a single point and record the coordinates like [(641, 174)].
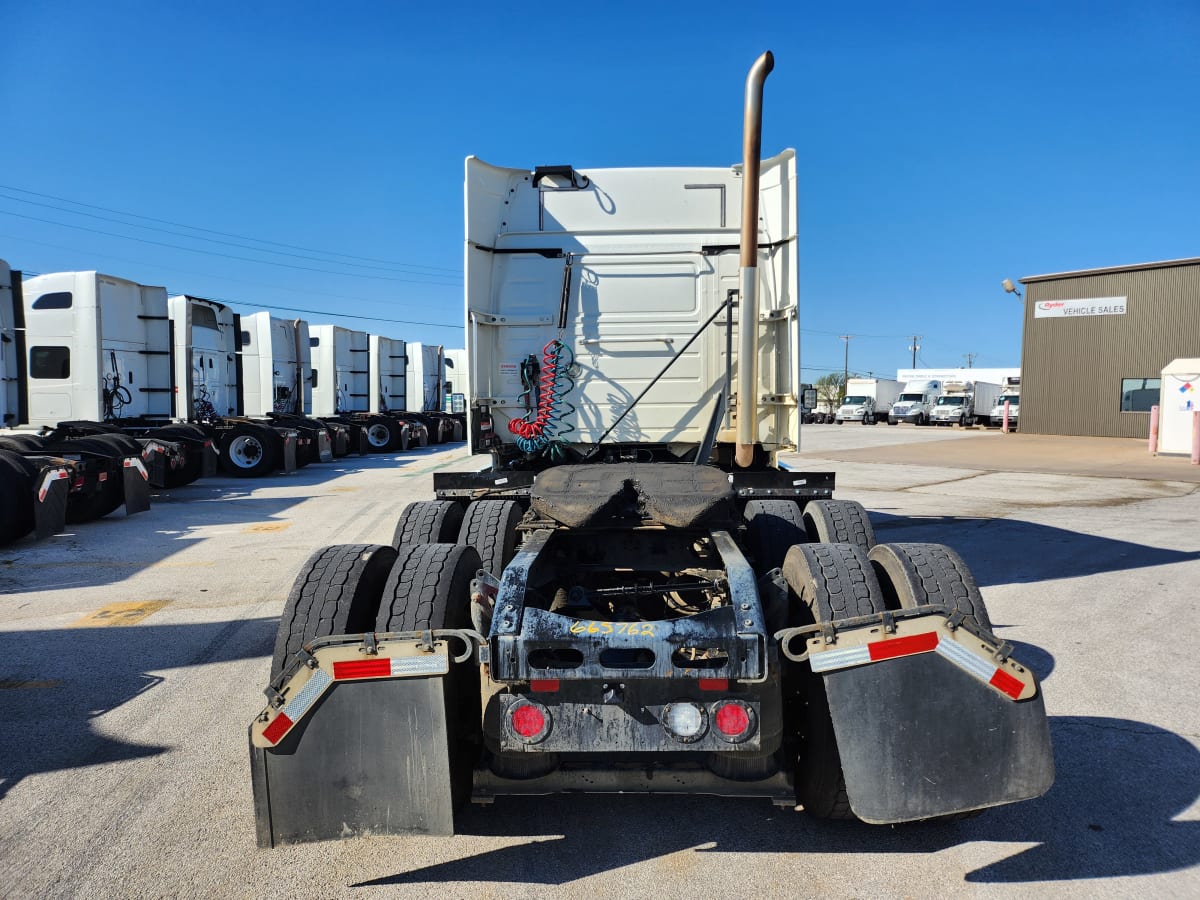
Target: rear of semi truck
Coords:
[(634, 596)]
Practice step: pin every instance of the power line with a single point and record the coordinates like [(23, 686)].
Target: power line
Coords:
[(136, 262), (192, 237), (243, 237), (264, 262), (320, 312)]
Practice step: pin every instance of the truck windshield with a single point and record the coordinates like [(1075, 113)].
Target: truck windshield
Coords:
[(1014, 399), (854, 401), (911, 398), (950, 401)]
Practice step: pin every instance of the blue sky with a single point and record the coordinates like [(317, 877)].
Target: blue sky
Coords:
[(941, 146)]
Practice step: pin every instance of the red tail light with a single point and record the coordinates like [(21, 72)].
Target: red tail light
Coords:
[(734, 720), (528, 721)]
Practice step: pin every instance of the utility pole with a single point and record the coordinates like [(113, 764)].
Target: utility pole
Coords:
[(970, 358), (915, 347), (846, 371)]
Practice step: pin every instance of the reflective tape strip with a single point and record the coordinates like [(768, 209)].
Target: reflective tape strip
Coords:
[(839, 659), (52, 475), (965, 659), (391, 667), (297, 706), (131, 463), (911, 645)]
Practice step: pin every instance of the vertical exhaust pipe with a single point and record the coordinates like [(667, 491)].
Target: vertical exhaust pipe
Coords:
[(747, 380)]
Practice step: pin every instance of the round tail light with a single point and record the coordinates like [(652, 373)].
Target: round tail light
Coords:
[(685, 721), (734, 720), (529, 721)]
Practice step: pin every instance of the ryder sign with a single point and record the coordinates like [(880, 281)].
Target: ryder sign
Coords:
[(1097, 306)]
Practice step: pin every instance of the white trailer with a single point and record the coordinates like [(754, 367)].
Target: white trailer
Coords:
[(915, 402), (867, 400)]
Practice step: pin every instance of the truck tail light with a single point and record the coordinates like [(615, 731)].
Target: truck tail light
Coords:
[(734, 719), (529, 721)]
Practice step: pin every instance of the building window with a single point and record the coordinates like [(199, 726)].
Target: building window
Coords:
[(49, 362), (1139, 394)]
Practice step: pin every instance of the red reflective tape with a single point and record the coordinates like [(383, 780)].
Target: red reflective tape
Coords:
[(714, 684), (903, 646), (362, 668), (546, 685), (1007, 684), (278, 728)]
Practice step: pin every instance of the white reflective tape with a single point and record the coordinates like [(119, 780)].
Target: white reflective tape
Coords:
[(52, 475), (298, 705), (437, 664), (965, 659), (839, 659), (131, 463)]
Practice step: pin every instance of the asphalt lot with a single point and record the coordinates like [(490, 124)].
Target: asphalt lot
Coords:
[(123, 761)]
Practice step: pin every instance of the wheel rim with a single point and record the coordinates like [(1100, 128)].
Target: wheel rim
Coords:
[(245, 451), (378, 435)]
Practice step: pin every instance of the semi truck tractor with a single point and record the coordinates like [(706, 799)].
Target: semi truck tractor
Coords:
[(634, 595), (964, 402), (915, 402), (1010, 393), (428, 375), (867, 400)]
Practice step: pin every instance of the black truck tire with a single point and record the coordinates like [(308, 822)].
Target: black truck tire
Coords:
[(916, 574), (383, 434), (337, 592), (772, 527), (430, 587), (839, 522), (16, 496), (827, 582), (490, 526), (428, 522), (248, 450)]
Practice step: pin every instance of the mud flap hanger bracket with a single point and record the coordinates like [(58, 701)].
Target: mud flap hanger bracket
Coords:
[(887, 619)]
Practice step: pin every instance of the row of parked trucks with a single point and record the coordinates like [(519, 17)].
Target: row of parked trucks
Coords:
[(927, 402), (111, 388)]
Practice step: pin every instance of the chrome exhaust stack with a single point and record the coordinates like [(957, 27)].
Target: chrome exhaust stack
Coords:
[(747, 380)]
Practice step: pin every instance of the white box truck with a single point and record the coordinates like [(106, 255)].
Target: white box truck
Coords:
[(915, 402), (1010, 393), (963, 402), (867, 400)]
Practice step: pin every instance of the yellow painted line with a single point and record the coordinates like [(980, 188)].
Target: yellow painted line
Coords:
[(126, 613), (266, 526), (12, 684)]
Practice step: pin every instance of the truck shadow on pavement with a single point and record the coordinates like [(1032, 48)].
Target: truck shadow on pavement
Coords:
[(1012, 551), (1110, 813), (54, 683)]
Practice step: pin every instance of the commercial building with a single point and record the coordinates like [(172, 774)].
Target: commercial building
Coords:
[(1096, 341)]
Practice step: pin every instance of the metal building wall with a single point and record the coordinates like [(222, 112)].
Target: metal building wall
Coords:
[(1071, 367)]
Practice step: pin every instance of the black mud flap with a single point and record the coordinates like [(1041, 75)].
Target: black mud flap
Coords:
[(210, 458), (919, 737), (136, 483), (324, 447), (157, 456), (290, 441), (370, 757), (50, 501)]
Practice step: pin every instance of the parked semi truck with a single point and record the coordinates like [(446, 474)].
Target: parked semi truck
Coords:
[(428, 375), (964, 402), (634, 596), (915, 402), (1010, 393), (867, 400)]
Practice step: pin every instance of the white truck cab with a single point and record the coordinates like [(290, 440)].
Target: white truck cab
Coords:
[(1010, 393), (915, 402)]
